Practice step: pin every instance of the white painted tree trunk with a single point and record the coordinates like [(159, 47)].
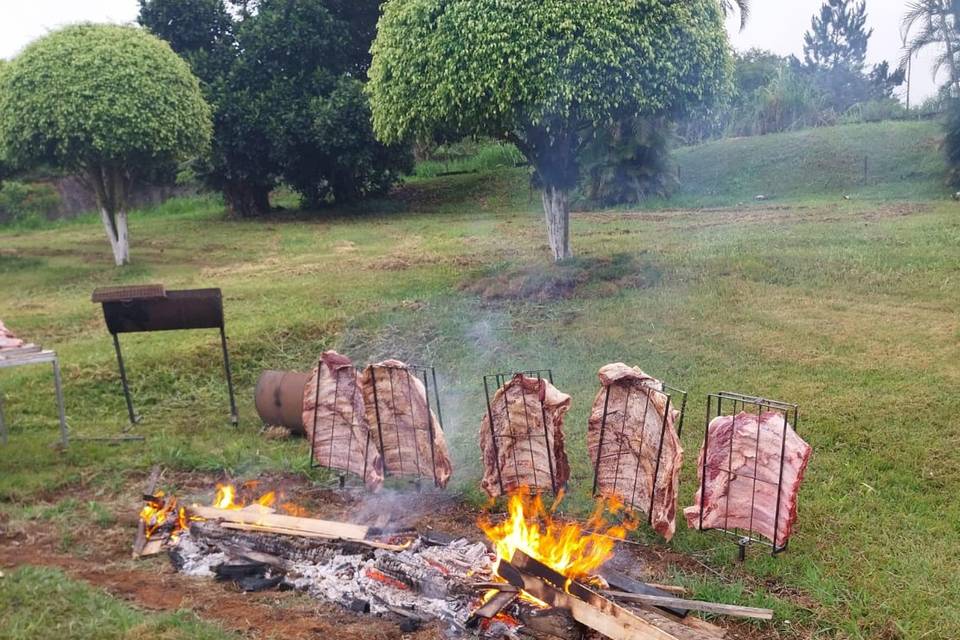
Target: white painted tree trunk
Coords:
[(556, 208), (118, 235)]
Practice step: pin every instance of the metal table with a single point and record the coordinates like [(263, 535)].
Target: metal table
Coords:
[(38, 357)]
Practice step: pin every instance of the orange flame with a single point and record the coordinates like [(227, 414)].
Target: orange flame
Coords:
[(160, 510), (574, 551)]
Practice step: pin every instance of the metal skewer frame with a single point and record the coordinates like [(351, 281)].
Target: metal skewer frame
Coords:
[(755, 405), (492, 383), (675, 397)]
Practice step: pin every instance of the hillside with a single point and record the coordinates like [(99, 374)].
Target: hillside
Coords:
[(903, 161)]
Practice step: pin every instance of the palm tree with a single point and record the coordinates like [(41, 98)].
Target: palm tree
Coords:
[(743, 6), (933, 23)]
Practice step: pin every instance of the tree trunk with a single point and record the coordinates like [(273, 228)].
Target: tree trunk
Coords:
[(556, 208), (245, 200), (117, 233), (111, 185)]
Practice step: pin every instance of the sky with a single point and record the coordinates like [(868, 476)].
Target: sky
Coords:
[(777, 25)]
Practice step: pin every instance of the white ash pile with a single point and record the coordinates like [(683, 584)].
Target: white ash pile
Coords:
[(420, 583)]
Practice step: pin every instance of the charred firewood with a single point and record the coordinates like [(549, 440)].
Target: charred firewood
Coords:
[(237, 570), (550, 624), (286, 547)]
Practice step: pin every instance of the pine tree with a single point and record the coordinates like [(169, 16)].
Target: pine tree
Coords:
[(838, 37)]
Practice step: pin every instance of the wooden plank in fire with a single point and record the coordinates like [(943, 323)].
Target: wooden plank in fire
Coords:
[(696, 605), (140, 541), (323, 528), (623, 582), (373, 544), (586, 606)]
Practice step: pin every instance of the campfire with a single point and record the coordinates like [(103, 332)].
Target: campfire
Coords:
[(536, 574)]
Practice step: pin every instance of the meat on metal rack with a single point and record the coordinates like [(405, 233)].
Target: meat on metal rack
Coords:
[(512, 432), (616, 433), (774, 440)]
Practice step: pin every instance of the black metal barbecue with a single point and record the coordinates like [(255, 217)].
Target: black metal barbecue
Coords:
[(728, 403), (493, 382), (675, 397), (148, 308)]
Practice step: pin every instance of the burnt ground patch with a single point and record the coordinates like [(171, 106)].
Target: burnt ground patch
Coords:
[(581, 276)]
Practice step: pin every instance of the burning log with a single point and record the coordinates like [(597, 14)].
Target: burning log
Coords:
[(140, 541), (271, 549), (587, 607), (492, 607)]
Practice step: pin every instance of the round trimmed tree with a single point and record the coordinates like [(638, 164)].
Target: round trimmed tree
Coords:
[(544, 75), (112, 104)]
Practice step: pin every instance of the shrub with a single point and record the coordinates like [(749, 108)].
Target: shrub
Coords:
[(27, 204)]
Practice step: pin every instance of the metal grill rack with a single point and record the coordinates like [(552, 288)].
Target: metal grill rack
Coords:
[(654, 386), (384, 415), (750, 404), (496, 381)]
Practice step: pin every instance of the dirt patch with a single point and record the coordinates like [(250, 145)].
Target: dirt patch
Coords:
[(575, 277), (152, 584)]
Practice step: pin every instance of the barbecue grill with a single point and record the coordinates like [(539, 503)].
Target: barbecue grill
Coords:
[(149, 308)]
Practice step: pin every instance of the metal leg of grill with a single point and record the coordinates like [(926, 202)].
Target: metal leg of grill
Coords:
[(3, 424), (134, 418), (234, 418), (58, 385)]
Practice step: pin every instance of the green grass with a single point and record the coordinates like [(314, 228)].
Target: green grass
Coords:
[(849, 308), (469, 158), (42, 604), (903, 162)]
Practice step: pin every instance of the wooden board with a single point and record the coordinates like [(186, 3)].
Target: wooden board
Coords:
[(140, 540), (325, 528), (239, 526), (587, 607), (500, 601), (695, 605), (623, 582)]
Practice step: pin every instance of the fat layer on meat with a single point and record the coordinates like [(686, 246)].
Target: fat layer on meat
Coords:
[(735, 455), (404, 427), (336, 421), (635, 450), (526, 439)]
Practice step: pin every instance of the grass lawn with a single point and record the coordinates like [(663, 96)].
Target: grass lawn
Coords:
[(847, 307)]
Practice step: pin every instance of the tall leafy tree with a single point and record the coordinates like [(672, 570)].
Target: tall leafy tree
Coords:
[(543, 75), (838, 36), (109, 103), (835, 51), (284, 77)]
